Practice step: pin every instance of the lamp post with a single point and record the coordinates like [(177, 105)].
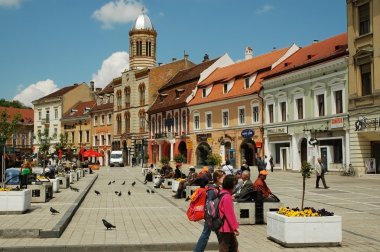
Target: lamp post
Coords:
[(80, 139)]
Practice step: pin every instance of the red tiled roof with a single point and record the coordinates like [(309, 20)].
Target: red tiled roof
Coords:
[(238, 71), (107, 106), (57, 93), (244, 68), (27, 115), (315, 53), (79, 110), (110, 87), (182, 84)]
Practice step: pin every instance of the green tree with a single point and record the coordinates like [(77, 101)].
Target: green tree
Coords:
[(180, 158), (13, 104), (44, 142), (213, 159), (6, 129), (306, 171), (165, 161)]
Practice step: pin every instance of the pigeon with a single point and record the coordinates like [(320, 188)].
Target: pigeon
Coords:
[(74, 189), (116, 192), (53, 211), (152, 191), (109, 183), (129, 192), (134, 183), (119, 194), (97, 192), (147, 190), (113, 181), (123, 183), (107, 224)]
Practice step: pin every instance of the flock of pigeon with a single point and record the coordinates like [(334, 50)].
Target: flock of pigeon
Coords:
[(118, 193)]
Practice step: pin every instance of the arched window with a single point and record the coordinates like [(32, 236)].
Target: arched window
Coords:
[(142, 120), (127, 119), (127, 94), (159, 125), (148, 48), (118, 122), (153, 128), (176, 123), (118, 99), (142, 94), (139, 48)]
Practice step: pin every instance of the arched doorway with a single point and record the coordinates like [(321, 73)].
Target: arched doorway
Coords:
[(247, 151), (201, 153), (183, 150), (303, 150)]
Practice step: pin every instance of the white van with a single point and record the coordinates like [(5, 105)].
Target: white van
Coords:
[(116, 158)]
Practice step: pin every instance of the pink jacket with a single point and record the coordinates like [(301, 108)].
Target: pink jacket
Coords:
[(226, 209)]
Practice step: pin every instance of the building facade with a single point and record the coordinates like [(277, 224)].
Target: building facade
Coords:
[(305, 107), (363, 20)]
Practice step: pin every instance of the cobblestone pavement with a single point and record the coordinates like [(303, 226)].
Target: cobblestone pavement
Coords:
[(157, 222)]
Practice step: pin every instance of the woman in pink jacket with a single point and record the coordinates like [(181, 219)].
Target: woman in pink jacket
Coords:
[(229, 229)]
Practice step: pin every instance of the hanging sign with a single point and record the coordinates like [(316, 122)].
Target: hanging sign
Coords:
[(247, 133)]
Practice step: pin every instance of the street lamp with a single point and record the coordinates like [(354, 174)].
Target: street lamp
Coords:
[(80, 138)]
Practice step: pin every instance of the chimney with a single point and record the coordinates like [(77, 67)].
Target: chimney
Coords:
[(315, 41), (205, 58), (159, 63), (174, 59), (248, 53), (92, 84), (186, 56)]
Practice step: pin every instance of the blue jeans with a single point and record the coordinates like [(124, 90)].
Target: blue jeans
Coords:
[(203, 239)]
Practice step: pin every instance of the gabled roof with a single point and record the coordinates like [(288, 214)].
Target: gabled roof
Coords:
[(57, 93), (244, 68), (79, 110), (188, 74), (27, 115), (175, 92), (313, 54), (111, 86), (254, 68)]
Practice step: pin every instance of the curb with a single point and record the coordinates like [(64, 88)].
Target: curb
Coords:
[(60, 227)]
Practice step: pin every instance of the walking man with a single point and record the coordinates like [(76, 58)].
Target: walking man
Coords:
[(320, 171)]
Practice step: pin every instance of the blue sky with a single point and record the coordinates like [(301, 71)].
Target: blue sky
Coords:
[(48, 44)]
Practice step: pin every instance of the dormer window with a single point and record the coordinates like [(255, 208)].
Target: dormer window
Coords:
[(178, 92), (246, 82), (204, 92), (162, 96), (225, 88)]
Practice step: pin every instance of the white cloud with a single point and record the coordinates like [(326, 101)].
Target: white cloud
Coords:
[(36, 91), (118, 12), (111, 68), (10, 3), (264, 9)]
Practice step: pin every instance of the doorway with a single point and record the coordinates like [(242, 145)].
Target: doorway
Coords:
[(284, 158), (376, 155), (202, 151), (303, 150)]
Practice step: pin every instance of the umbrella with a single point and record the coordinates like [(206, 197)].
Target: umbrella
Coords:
[(92, 153)]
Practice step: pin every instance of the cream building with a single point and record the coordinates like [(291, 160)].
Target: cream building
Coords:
[(363, 27)]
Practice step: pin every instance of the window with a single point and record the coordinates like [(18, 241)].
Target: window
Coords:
[(55, 133), (241, 112), (196, 121), (283, 111), (270, 113), (96, 140), (225, 119), (39, 115), (338, 95), (365, 72), (184, 122), (118, 124), (225, 88), (176, 122), (139, 48), (246, 82), (299, 104), (108, 139), (95, 120), (127, 93), (203, 92), (72, 136), (255, 113), (127, 122), (109, 118), (208, 120), (364, 22), (87, 136), (102, 120), (56, 113), (47, 115), (321, 104), (142, 94)]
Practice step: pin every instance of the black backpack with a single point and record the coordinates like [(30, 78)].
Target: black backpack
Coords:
[(212, 216)]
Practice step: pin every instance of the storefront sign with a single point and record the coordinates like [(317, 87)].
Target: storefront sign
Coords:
[(247, 133), (367, 123), (278, 130), (336, 123), (203, 137)]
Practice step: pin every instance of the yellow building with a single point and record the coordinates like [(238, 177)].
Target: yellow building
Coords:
[(363, 21)]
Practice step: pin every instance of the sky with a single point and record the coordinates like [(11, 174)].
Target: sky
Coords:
[(49, 44)]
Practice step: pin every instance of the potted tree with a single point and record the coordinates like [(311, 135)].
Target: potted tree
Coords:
[(179, 159), (304, 227), (213, 160)]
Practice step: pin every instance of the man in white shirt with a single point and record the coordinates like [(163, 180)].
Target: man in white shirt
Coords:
[(227, 168)]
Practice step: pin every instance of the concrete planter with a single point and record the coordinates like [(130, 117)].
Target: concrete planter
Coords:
[(304, 231), (15, 201)]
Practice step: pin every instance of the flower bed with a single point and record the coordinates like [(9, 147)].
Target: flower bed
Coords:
[(15, 201), (307, 228)]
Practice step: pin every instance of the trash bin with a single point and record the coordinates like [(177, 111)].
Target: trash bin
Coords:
[(12, 176)]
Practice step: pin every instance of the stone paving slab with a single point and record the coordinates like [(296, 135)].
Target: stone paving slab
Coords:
[(157, 222)]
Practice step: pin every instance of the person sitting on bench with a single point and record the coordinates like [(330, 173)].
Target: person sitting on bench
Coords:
[(261, 186), (244, 190)]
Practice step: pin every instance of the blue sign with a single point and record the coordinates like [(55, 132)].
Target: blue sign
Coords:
[(247, 133)]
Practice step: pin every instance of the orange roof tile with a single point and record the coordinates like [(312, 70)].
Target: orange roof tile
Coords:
[(27, 115), (78, 110), (315, 53)]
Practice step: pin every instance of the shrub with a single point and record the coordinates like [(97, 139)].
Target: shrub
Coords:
[(180, 158)]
